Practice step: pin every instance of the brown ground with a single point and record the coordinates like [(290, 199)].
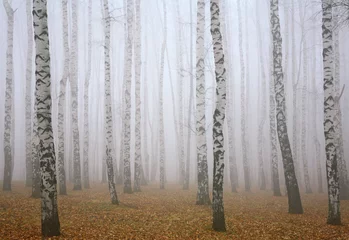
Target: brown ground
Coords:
[(168, 214)]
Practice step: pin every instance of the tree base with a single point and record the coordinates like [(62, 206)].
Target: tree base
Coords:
[(334, 221), (77, 188), (128, 190), (50, 228)]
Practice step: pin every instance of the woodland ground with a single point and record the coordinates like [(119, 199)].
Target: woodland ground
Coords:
[(168, 214)]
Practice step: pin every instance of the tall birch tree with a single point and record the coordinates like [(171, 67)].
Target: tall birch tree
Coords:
[(218, 119), (50, 225), (294, 200), (9, 123)]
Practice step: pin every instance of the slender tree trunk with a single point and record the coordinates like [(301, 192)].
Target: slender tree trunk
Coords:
[(9, 123), (334, 217), (35, 154), (218, 120), (108, 117), (203, 196), (49, 210), (294, 200), (145, 111), (243, 106), (127, 109), (62, 102), (180, 97), (161, 103), (138, 67), (28, 97), (86, 101), (74, 97)]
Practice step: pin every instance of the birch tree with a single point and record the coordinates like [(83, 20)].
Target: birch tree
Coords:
[(203, 196), (138, 67), (243, 105), (9, 123), (74, 96), (294, 200), (161, 101), (50, 225), (86, 102), (108, 117), (62, 101), (127, 108), (28, 96), (218, 119), (334, 216)]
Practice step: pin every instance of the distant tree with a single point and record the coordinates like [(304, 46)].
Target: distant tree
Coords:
[(138, 67), (50, 225), (243, 105), (28, 97), (218, 119), (294, 200), (334, 216), (86, 101), (74, 96), (108, 117), (9, 123)]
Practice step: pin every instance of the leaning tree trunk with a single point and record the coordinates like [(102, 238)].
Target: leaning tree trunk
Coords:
[(203, 196), (28, 97), (9, 123), (263, 111), (74, 97), (334, 216), (294, 200), (243, 106), (218, 120), (49, 210), (180, 97), (138, 66), (86, 103), (108, 117), (161, 103), (342, 167), (127, 109), (62, 102)]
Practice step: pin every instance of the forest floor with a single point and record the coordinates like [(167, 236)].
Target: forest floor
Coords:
[(168, 214)]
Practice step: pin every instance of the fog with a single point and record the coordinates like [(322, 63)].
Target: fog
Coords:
[(248, 46)]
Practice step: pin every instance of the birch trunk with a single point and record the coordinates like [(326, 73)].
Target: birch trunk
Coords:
[(108, 117), (138, 67), (62, 102), (145, 111), (74, 96), (86, 101), (161, 102), (127, 109), (294, 200), (243, 106), (203, 196), (180, 97), (28, 97), (334, 217), (35, 158), (9, 123), (49, 210), (218, 119)]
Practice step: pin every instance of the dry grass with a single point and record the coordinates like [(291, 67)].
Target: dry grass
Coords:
[(168, 214)]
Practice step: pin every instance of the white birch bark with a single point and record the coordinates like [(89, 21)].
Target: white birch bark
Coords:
[(330, 109), (86, 96), (145, 110), (9, 123), (161, 102), (28, 95), (127, 109), (218, 119), (74, 96), (138, 67), (108, 117), (243, 105), (203, 196), (49, 210), (35, 158), (294, 200)]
